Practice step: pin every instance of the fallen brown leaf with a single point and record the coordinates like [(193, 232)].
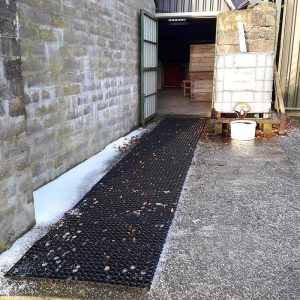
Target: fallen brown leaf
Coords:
[(160, 204), (137, 212)]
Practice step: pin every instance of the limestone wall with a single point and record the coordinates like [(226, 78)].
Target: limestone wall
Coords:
[(80, 63), (69, 85), (260, 26), (16, 203)]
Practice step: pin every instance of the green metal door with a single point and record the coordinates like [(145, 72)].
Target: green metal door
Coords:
[(149, 47)]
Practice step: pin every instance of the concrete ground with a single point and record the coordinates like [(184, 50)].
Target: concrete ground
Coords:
[(171, 101), (236, 233)]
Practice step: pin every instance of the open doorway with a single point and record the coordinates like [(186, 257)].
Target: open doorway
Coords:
[(176, 38)]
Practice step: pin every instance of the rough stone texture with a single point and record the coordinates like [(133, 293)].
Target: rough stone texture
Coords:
[(17, 212), (260, 28), (68, 87), (80, 68)]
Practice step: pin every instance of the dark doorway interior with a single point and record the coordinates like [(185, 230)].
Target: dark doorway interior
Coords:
[(174, 74), (174, 39)]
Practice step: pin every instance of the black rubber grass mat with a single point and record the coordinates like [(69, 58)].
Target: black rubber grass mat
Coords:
[(116, 233)]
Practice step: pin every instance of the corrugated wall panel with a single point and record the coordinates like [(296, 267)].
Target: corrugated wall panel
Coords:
[(289, 62), (173, 6)]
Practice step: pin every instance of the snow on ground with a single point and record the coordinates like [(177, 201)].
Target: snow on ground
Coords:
[(60, 195), (55, 198)]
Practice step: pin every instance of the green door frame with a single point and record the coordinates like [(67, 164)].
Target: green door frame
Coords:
[(144, 118)]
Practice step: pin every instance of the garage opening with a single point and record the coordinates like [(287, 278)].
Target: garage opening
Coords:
[(185, 65)]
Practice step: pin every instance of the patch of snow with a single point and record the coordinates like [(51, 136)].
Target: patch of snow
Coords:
[(19, 248), (11, 256), (55, 198)]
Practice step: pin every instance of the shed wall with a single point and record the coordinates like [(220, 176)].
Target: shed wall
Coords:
[(289, 61), (69, 85), (80, 68), (176, 6)]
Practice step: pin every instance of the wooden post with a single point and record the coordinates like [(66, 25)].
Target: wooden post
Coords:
[(283, 114), (279, 92)]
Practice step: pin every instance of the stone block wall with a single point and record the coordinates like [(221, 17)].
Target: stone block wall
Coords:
[(80, 64), (69, 85), (16, 202), (260, 29)]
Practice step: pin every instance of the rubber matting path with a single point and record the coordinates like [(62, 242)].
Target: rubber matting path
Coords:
[(116, 233)]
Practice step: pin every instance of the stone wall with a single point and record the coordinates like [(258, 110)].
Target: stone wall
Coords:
[(260, 27), (17, 212), (69, 85), (245, 80), (80, 63)]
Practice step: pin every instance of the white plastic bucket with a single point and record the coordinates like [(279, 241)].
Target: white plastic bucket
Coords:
[(243, 130)]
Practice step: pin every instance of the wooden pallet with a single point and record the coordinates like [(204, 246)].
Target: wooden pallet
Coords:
[(279, 104), (201, 72), (202, 76), (265, 124), (203, 66), (201, 90)]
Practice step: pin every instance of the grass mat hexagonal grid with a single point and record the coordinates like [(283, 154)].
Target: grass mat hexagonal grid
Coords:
[(116, 233)]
